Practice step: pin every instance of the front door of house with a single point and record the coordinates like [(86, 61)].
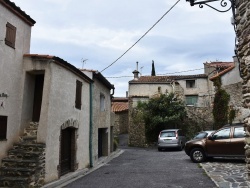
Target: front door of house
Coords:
[(67, 151)]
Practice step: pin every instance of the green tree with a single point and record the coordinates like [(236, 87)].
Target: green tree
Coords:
[(220, 108), (153, 69), (160, 113)]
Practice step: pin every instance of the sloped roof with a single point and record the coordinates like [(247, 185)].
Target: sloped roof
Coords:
[(119, 104), (219, 64), (221, 68), (11, 6), (62, 63), (222, 72), (165, 79), (100, 77)]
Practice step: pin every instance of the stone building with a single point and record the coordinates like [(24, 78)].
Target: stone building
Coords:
[(195, 90), (54, 119)]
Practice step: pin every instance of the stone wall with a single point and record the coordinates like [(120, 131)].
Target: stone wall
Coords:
[(243, 51), (136, 127), (121, 123), (203, 116)]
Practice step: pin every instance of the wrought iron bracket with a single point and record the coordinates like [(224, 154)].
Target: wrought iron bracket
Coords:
[(225, 4)]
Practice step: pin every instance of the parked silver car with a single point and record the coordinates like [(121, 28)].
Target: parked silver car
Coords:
[(171, 138)]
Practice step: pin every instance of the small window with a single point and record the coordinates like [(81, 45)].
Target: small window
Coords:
[(10, 38), (78, 101), (190, 83), (239, 132), (222, 134), (3, 127), (191, 100), (102, 102)]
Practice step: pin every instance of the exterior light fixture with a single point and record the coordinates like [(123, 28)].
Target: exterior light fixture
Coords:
[(225, 4)]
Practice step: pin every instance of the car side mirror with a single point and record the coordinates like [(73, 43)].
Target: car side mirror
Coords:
[(210, 137)]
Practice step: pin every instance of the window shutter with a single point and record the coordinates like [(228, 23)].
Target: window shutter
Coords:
[(78, 99), (10, 38)]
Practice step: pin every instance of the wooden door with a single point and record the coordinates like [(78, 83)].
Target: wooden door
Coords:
[(66, 150)]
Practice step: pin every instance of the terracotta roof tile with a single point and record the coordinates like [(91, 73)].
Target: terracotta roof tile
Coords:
[(119, 106), (222, 72), (164, 79), (220, 64)]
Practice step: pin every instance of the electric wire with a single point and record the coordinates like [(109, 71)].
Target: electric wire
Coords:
[(157, 74), (142, 36)]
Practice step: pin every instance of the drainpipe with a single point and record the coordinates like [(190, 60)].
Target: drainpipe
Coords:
[(90, 124)]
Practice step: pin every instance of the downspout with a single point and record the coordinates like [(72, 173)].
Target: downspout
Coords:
[(90, 124)]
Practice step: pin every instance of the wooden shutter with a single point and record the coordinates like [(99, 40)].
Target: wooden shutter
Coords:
[(3, 127), (10, 38), (78, 101)]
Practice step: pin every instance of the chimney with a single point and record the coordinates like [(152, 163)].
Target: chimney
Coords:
[(136, 72)]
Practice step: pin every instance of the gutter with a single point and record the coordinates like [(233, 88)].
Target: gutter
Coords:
[(90, 124)]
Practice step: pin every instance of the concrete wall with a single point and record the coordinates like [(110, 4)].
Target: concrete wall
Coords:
[(11, 75), (58, 106)]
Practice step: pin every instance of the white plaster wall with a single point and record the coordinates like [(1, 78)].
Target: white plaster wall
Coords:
[(58, 106), (148, 89), (202, 89), (231, 77), (101, 119), (11, 74)]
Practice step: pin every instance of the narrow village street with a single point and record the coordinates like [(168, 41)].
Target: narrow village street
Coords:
[(148, 168)]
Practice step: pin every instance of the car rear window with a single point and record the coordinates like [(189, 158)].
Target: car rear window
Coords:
[(239, 132), (168, 134)]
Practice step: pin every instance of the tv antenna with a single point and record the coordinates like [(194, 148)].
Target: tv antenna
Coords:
[(83, 62)]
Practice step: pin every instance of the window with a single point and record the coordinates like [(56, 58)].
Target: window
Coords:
[(3, 127), (10, 38), (190, 83), (222, 134), (78, 101), (102, 102), (239, 132), (191, 100)]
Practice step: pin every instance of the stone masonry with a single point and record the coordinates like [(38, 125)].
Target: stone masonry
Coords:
[(243, 51)]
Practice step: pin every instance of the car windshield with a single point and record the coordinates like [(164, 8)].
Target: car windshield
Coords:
[(201, 135), (168, 134)]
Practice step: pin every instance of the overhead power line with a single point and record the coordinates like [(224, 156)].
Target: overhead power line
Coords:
[(157, 74), (142, 36)]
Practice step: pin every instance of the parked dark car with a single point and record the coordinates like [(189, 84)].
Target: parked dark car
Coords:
[(228, 141), (171, 138)]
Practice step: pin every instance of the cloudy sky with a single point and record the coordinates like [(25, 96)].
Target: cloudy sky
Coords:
[(101, 31)]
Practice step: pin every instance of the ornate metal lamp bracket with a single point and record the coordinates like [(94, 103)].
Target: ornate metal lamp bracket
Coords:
[(227, 4)]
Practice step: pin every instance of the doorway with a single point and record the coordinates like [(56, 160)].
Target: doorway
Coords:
[(68, 151), (38, 95)]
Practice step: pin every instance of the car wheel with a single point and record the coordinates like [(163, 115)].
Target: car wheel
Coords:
[(197, 155), (159, 149)]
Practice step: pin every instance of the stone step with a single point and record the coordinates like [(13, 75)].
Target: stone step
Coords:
[(23, 154), (33, 125), (30, 147), (28, 139), (17, 172), (10, 163), (16, 182), (30, 132)]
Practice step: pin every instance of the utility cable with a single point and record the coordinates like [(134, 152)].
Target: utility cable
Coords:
[(142, 36)]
